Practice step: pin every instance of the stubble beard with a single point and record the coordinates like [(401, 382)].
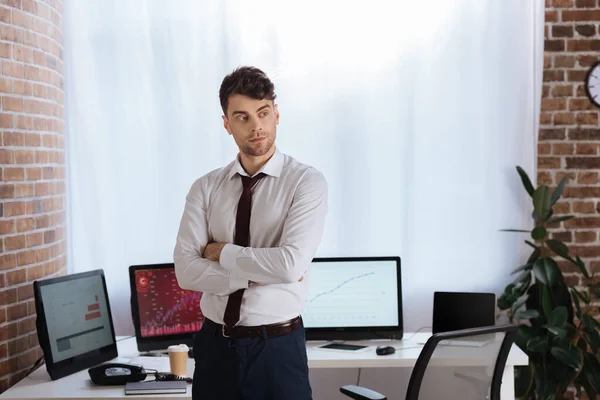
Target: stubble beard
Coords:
[(261, 149)]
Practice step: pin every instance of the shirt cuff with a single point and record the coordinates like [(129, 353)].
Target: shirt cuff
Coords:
[(228, 257)]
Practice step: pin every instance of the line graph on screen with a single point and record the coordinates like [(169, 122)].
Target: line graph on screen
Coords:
[(340, 286), (350, 295)]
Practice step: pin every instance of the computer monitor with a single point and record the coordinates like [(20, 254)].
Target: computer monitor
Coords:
[(163, 313), (462, 310), (354, 298), (74, 322)]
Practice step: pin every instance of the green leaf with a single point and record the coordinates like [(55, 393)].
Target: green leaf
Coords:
[(593, 322), (591, 371), (558, 191), (559, 219), (526, 314), (593, 337), (546, 271), (577, 306), (589, 323), (524, 267), (546, 301), (515, 230), (531, 244), (541, 203), (539, 268), (586, 297), (534, 256), (526, 181), (538, 233), (524, 335), (519, 302), (558, 318), (579, 295), (568, 356), (558, 247), (554, 274), (561, 333), (503, 304), (582, 267), (582, 344), (522, 281), (505, 301), (537, 345)]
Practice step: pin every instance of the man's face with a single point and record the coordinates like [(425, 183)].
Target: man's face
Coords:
[(252, 123)]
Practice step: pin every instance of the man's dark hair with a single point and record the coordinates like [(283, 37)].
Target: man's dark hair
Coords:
[(247, 81)]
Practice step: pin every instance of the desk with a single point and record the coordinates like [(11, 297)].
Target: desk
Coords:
[(78, 386)]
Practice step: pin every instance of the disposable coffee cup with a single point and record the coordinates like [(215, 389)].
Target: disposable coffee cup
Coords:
[(178, 356)]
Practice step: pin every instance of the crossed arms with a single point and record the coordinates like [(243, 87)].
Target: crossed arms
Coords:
[(221, 269)]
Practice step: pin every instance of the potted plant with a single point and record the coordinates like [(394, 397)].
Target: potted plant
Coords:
[(557, 328)]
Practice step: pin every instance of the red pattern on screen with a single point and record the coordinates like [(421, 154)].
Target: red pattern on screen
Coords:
[(93, 315), (165, 308)]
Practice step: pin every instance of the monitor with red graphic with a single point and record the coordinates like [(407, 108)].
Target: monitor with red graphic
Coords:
[(160, 307)]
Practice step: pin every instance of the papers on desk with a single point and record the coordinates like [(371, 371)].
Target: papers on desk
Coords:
[(159, 364)]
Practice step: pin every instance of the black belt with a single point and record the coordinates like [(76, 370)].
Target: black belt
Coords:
[(277, 329)]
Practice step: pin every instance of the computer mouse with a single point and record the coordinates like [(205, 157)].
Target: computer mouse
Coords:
[(385, 350)]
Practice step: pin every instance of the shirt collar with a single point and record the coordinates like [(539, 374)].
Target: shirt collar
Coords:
[(273, 167)]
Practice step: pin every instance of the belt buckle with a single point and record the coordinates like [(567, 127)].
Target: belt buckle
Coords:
[(223, 331)]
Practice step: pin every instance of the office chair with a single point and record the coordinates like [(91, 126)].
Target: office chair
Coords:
[(435, 368)]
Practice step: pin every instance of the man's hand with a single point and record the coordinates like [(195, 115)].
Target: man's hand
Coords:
[(212, 251)]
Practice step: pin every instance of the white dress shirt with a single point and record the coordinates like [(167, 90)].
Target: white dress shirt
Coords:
[(289, 206)]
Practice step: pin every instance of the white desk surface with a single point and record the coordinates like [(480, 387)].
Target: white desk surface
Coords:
[(79, 386)]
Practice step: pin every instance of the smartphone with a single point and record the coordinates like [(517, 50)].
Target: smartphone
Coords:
[(342, 346)]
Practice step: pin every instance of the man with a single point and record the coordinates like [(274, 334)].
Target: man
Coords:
[(248, 234)]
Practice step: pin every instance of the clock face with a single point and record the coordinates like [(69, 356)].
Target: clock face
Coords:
[(592, 84)]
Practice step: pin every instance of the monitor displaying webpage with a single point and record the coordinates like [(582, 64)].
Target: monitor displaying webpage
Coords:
[(76, 316), (345, 294)]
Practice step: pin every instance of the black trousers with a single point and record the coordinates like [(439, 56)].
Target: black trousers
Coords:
[(273, 368)]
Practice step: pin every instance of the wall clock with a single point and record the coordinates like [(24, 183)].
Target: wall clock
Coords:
[(592, 84)]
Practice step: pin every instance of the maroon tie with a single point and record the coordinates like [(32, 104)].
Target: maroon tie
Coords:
[(242, 238)]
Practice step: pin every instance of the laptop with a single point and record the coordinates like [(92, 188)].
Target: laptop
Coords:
[(454, 311)]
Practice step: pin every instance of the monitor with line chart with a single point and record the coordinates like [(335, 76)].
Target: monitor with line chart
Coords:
[(163, 313), (354, 298)]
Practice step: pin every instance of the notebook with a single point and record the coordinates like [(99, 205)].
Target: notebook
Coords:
[(156, 387)]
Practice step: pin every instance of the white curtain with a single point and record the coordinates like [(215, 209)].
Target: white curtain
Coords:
[(416, 112)]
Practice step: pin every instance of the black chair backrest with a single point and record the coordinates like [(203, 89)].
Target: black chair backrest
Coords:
[(485, 350)]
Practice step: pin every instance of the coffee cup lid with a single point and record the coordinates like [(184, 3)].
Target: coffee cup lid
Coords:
[(180, 347)]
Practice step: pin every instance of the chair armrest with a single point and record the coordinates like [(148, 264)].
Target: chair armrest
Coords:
[(361, 393)]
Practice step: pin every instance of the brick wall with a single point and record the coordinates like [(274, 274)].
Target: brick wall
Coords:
[(32, 172), (569, 131)]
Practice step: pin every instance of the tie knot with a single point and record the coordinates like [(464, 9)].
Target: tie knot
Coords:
[(249, 182)]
